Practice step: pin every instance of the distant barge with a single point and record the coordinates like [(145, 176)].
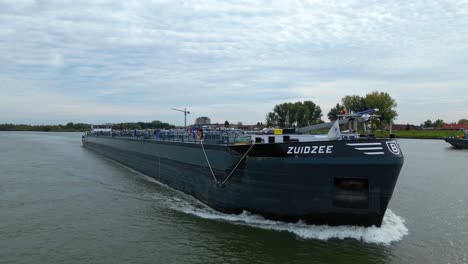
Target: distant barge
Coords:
[(347, 180), (460, 142)]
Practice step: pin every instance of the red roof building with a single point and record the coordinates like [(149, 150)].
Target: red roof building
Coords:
[(454, 126), (399, 127)]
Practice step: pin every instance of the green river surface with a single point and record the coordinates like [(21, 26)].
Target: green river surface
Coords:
[(62, 203)]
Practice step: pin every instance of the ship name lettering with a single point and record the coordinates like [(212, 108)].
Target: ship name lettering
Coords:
[(310, 150)]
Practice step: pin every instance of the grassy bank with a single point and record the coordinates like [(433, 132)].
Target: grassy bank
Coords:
[(420, 134)]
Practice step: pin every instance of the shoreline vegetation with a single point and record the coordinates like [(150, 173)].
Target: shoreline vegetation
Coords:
[(420, 134), (81, 127), (411, 134)]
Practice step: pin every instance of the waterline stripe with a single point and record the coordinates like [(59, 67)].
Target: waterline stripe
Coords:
[(364, 144), (374, 148)]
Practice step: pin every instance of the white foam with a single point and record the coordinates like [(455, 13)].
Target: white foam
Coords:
[(393, 228)]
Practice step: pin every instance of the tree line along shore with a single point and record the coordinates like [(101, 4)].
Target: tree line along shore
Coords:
[(81, 127), (300, 114), (420, 134)]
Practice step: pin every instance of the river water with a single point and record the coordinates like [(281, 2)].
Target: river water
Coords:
[(62, 203)]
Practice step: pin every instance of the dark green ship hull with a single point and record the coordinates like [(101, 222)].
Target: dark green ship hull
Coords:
[(325, 182), (461, 143)]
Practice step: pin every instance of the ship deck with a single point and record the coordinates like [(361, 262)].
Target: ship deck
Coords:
[(225, 137)]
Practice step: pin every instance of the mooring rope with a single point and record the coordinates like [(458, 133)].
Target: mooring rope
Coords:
[(208, 161), (233, 170), (230, 174)]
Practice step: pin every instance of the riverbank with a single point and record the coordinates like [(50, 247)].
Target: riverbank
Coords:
[(44, 130), (410, 134), (420, 134), (70, 127)]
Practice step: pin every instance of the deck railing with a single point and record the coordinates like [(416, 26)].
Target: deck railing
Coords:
[(208, 137)]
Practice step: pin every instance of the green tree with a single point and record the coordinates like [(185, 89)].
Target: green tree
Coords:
[(463, 121), (81, 126), (385, 103), (427, 123), (354, 103), (155, 124), (142, 125), (226, 124), (313, 114), (438, 123), (291, 113), (281, 112), (271, 119), (294, 114), (334, 112), (301, 114)]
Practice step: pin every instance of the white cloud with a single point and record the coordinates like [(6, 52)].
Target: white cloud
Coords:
[(204, 54), (56, 59)]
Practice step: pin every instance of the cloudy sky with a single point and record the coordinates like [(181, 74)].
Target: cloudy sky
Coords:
[(112, 61)]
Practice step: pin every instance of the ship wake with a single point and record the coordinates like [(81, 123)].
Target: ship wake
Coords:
[(393, 228)]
